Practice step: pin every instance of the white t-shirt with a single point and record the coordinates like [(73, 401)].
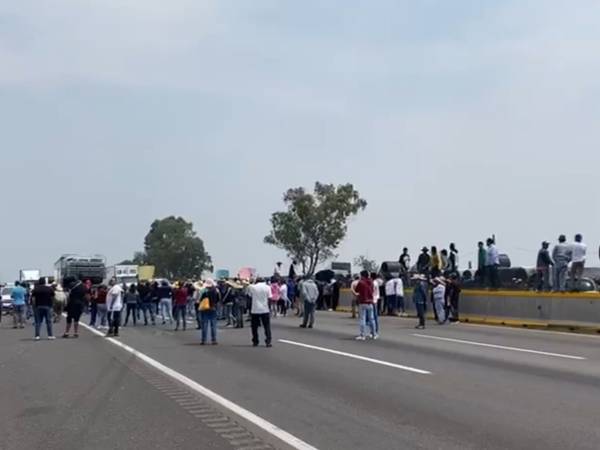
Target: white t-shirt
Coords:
[(578, 251), (260, 293), (114, 299), (376, 294), (283, 292), (394, 287)]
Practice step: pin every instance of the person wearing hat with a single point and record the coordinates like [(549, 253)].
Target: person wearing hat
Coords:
[(420, 298), (561, 255), (439, 299), (424, 262), (208, 311), (544, 262)]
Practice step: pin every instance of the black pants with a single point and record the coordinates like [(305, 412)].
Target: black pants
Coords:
[(421, 309), (114, 321), (131, 310), (492, 272), (256, 320)]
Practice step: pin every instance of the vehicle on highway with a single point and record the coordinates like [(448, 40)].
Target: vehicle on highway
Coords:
[(91, 268), (6, 299)]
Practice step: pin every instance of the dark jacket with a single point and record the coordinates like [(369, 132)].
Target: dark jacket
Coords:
[(420, 293), (543, 260), (213, 296), (423, 263)]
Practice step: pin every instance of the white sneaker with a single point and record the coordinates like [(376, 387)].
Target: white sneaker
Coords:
[(360, 338), (51, 338), (37, 338), (376, 337)]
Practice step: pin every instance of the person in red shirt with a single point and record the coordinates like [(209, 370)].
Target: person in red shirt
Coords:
[(181, 298), (365, 291)]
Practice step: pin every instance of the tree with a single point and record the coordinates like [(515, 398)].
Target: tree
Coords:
[(314, 224), (370, 265), (174, 248)]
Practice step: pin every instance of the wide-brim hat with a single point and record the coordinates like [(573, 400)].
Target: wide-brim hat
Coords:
[(233, 284), (418, 277), (424, 249), (209, 283)]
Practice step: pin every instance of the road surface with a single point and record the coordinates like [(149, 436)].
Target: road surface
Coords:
[(445, 387)]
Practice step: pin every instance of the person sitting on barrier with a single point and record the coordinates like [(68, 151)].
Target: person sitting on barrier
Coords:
[(453, 259)]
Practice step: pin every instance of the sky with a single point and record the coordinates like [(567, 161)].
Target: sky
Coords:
[(454, 120)]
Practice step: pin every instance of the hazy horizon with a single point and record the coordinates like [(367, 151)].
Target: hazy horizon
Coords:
[(454, 120)]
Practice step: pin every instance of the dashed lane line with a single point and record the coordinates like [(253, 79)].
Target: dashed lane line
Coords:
[(501, 347)]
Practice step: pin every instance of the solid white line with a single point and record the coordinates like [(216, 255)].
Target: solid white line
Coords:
[(361, 358), (272, 429), (530, 330), (502, 347)]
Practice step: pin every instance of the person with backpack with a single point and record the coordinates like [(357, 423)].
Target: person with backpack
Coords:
[(208, 311)]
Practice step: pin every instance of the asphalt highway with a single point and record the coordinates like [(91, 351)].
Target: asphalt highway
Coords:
[(446, 387)]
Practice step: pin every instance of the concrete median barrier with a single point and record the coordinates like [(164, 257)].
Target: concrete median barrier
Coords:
[(574, 311)]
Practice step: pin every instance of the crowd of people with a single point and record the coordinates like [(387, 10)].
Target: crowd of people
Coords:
[(435, 279)]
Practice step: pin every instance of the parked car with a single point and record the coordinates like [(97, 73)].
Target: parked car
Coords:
[(6, 299)]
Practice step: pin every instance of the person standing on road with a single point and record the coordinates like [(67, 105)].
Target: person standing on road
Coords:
[(283, 300), (453, 297), (101, 309), (420, 299), (18, 304), (114, 303), (132, 299), (353, 287), (42, 299), (335, 295), (259, 311), (147, 306), (578, 252), (275, 296), (544, 263), (60, 298), (365, 291), (377, 303), (165, 296), (78, 297), (561, 255), (309, 294), (394, 293), (492, 263), (180, 297), (208, 311), (439, 299)]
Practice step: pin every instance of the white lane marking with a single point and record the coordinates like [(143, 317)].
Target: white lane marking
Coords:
[(502, 347), (361, 358), (272, 429), (531, 330)]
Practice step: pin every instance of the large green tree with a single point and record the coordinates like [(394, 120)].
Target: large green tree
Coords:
[(314, 224), (174, 248)]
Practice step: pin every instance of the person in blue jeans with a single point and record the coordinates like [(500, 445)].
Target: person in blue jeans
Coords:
[(18, 303), (208, 311), (42, 299)]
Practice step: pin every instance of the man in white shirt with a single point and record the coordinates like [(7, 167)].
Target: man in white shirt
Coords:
[(394, 293), (377, 283), (259, 312), (114, 306), (277, 270), (492, 262), (578, 252)]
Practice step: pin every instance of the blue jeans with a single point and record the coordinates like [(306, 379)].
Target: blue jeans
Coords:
[(309, 314), (209, 318), (421, 309), (148, 309), (365, 312), (376, 318), (43, 313), (180, 313)]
